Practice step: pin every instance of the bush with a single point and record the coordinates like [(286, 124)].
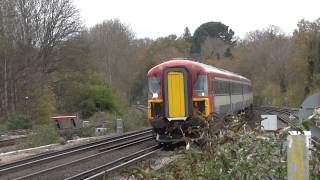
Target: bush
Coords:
[(42, 135), (19, 122), (3, 126), (43, 105), (237, 154), (134, 120), (95, 98), (82, 132), (104, 119)]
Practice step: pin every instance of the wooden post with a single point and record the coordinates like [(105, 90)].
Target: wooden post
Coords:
[(298, 158)]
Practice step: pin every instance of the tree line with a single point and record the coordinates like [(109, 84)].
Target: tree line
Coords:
[(51, 63)]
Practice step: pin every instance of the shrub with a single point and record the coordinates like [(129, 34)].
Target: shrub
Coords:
[(104, 119), (19, 122), (3, 126), (237, 154), (94, 98), (134, 120), (43, 105), (82, 132), (42, 135)]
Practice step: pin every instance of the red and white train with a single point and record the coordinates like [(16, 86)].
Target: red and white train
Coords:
[(180, 90)]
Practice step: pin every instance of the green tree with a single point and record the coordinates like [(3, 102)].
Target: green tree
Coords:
[(95, 98), (216, 30)]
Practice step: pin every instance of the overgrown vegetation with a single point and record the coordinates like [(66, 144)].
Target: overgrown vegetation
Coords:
[(81, 132), (132, 118), (42, 135), (95, 98), (19, 122), (240, 152)]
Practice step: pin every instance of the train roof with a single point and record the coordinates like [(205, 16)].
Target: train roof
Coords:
[(204, 67)]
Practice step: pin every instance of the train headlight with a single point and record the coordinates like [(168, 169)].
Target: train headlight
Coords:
[(155, 95)]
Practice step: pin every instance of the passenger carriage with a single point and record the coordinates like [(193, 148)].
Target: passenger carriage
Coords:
[(181, 90)]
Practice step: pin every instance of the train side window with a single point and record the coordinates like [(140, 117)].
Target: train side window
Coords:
[(217, 87), (221, 87), (236, 88), (227, 87), (233, 88)]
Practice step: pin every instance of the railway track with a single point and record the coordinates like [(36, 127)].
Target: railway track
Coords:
[(7, 142), (286, 115), (10, 142), (67, 163), (102, 172)]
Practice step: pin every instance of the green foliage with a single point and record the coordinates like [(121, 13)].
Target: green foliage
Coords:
[(16, 121), (95, 98), (309, 32), (43, 106), (140, 88), (315, 162), (168, 47), (82, 132), (211, 29), (134, 120), (42, 135), (104, 119), (237, 154), (3, 127)]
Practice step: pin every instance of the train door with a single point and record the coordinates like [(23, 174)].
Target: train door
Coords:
[(176, 94)]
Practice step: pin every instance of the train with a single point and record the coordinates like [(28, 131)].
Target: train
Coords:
[(182, 90)]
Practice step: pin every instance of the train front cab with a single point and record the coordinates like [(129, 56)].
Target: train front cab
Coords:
[(172, 108)]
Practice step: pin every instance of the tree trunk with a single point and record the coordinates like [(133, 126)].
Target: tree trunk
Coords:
[(5, 100)]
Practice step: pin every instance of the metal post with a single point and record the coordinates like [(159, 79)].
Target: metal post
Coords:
[(298, 157), (119, 126)]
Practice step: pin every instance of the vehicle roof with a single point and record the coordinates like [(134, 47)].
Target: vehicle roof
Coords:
[(203, 67), (60, 117)]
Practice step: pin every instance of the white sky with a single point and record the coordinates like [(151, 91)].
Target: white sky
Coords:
[(150, 18)]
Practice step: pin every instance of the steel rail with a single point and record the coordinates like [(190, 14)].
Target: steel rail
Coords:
[(279, 112), (10, 142), (7, 142), (49, 157), (286, 110), (78, 161), (102, 171)]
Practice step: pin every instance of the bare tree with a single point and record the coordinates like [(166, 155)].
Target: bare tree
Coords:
[(113, 49), (213, 48), (31, 31)]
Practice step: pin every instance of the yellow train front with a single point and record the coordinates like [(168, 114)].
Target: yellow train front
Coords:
[(183, 94)]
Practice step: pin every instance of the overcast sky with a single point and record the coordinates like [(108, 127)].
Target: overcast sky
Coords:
[(155, 18)]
